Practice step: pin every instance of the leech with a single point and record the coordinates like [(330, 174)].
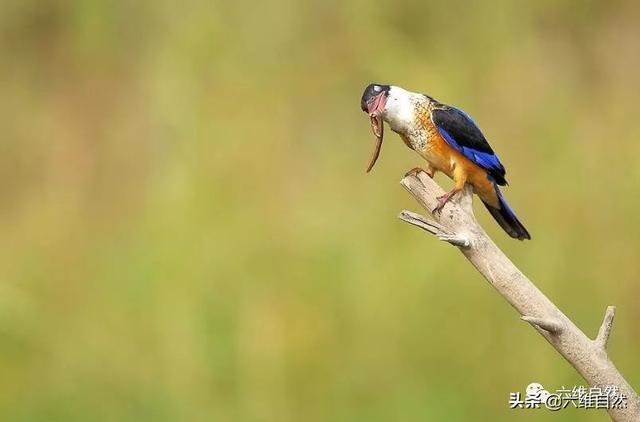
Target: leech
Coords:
[(377, 126)]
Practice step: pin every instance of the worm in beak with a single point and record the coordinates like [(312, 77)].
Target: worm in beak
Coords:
[(377, 126)]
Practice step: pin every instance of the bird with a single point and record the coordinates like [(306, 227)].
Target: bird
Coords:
[(450, 142)]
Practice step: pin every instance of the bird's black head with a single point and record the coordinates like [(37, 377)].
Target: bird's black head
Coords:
[(374, 98)]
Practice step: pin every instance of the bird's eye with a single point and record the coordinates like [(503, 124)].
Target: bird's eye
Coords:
[(376, 88)]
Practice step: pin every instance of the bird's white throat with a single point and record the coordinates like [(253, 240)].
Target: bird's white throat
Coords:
[(400, 109)]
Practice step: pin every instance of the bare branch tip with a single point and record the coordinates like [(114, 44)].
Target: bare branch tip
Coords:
[(414, 218), (605, 329), (435, 229), (420, 221)]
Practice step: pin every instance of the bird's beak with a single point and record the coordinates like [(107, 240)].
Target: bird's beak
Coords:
[(375, 108), (376, 104)]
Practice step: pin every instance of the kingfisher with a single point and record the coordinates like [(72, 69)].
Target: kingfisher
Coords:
[(449, 140)]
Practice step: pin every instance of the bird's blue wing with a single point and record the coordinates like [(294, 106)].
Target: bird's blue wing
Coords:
[(461, 133)]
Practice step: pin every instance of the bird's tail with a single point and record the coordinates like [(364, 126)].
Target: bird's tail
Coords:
[(507, 218)]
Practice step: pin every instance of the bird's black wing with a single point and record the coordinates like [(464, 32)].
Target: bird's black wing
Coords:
[(460, 132)]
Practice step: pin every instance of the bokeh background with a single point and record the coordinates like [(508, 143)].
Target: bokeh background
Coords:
[(188, 234)]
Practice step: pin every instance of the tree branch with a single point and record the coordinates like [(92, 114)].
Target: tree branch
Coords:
[(457, 225), (551, 325), (605, 328), (434, 228)]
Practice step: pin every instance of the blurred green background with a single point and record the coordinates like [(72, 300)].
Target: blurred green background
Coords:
[(188, 233)]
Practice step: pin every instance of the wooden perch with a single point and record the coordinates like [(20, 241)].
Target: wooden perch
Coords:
[(457, 225)]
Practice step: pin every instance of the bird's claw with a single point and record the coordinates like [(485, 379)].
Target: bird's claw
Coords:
[(413, 172), (442, 201), (438, 208)]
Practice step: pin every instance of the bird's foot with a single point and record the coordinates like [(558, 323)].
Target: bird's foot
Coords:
[(442, 201), (414, 172)]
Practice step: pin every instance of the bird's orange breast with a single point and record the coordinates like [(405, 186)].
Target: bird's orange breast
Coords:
[(443, 157)]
